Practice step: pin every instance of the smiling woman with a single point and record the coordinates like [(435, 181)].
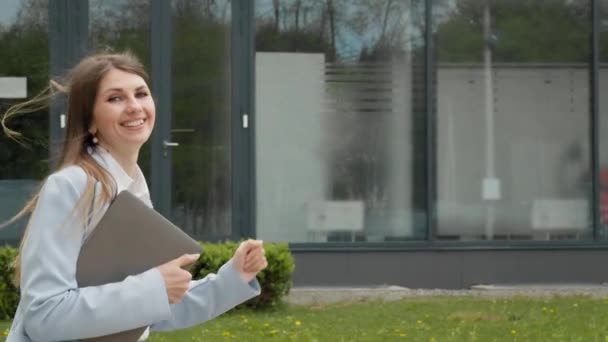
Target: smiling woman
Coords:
[(110, 116), (124, 115)]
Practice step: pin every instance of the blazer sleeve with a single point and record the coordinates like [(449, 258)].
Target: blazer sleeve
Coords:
[(209, 297), (55, 308)]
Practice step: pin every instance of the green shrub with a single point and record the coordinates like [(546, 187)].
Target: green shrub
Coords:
[(9, 294), (275, 280)]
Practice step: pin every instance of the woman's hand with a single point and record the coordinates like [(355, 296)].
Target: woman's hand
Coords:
[(177, 280), (249, 259)]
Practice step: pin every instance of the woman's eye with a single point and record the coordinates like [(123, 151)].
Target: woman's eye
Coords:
[(114, 99), (142, 94)]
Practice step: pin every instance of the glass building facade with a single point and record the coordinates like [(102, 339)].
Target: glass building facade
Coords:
[(334, 123)]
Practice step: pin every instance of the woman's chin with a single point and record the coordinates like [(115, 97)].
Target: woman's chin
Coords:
[(137, 140)]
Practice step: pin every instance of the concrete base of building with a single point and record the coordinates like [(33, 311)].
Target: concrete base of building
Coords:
[(450, 269), (328, 295)]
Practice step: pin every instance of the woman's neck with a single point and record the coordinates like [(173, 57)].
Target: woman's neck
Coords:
[(127, 159)]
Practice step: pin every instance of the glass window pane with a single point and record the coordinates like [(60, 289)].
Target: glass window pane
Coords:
[(513, 119), (200, 102), (24, 72), (338, 87), (119, 26), (603, 121)]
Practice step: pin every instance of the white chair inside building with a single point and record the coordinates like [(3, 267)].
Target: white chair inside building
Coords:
[(556, 216), (324, 217)]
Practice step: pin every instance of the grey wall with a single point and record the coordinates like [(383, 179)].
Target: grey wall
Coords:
[(448, 269)]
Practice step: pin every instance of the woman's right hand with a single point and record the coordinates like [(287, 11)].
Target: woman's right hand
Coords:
[(177, 280)]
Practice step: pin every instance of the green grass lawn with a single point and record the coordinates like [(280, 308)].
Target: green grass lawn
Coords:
[(423, 319)]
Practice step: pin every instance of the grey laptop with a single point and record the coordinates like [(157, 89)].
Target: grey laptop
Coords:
[(131, 238)]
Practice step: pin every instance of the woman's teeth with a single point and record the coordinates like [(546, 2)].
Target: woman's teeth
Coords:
[(134, 123)]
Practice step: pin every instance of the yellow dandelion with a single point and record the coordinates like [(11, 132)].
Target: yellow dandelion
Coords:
[(266, 324), (272, 332), (513, 332), (575, 305), (419, 321), (226, 334), (402, 335), (298, 323)]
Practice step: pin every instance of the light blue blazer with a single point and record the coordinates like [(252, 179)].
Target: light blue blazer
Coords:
[(54, 308)]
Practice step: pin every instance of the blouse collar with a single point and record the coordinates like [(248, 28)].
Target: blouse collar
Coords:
[(136, 184)]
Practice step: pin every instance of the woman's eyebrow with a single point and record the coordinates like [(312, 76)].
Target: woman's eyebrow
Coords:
[(112, 89), (141, 87)]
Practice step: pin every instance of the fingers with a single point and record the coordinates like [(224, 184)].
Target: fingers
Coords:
[(255, 260), (178, 287), (257, 266), (176, 279), (250, 244), (242, 249), (256, 249), (186, 259), (256, 253), (249, 256), (247, 246), (253, 257)]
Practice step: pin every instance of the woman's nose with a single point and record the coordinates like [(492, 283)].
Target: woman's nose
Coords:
[(133, 106)]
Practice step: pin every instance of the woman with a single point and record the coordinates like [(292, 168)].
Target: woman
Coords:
[(110, 115)]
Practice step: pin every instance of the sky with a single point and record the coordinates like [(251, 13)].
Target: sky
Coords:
[(8, 10), (349, 43)]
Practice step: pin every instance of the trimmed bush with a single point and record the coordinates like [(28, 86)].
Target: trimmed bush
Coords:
[(275, 280), (9, 294)]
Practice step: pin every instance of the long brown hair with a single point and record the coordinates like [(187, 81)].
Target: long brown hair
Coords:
[(80, 86)]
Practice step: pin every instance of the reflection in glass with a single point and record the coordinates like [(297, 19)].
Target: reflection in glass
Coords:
[(200, 96), (335, 87), (23, 53), (513, 119), (603, 121), (119, 26), (200, 101)]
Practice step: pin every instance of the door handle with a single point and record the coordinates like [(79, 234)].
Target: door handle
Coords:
[(170, 143)]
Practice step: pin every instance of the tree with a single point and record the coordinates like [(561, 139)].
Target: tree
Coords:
[(200, 102), (20, 45), (542, 31)]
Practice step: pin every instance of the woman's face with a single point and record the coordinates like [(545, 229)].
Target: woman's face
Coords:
[(124, 112)]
